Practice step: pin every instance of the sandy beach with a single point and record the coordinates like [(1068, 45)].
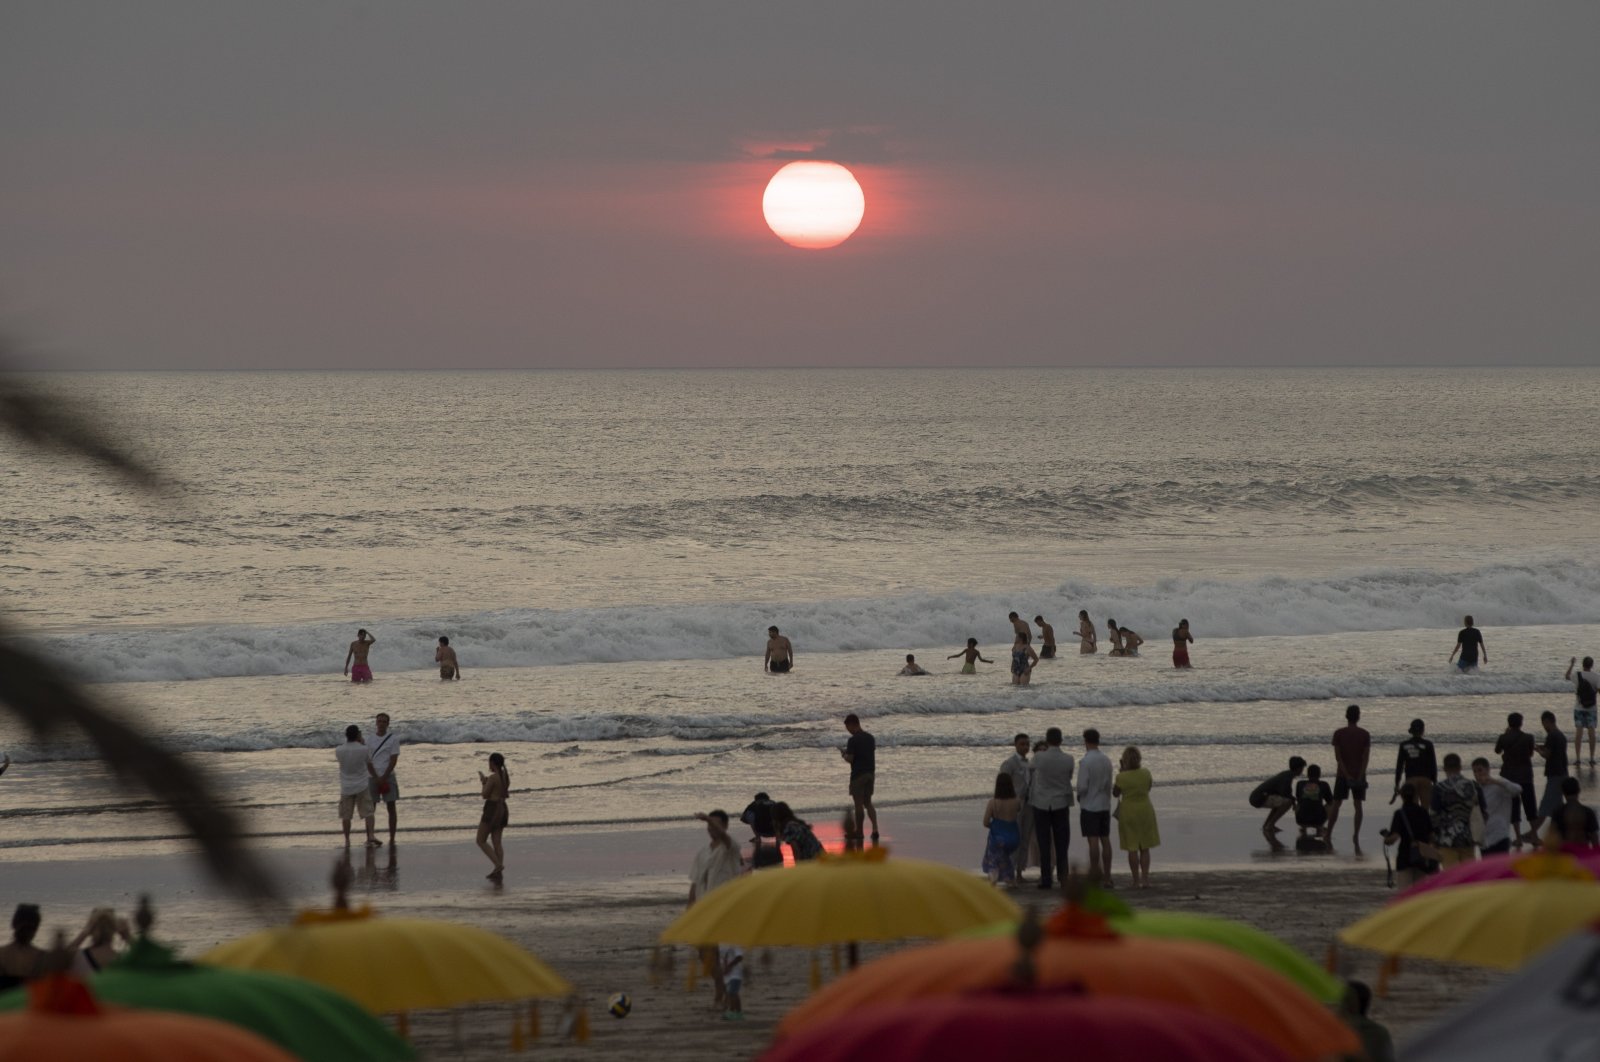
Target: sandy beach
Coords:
[(592, 906)]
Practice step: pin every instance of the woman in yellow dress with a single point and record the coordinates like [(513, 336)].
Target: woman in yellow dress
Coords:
[(1136, 816)]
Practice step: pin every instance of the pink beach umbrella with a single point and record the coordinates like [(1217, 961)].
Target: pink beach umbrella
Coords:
[(1505, 867)]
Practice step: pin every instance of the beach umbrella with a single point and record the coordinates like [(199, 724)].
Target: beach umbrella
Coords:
[(305, 1019), (395, 964), (994, 1025), (1574, 863), (1499, 924), (1247, 940), (836, 899), (1080, 948), (63, 1022), (1549, 1010)]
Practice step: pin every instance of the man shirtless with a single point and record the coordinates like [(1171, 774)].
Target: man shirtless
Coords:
[(780, 654), (1020, 626), (358, 653), (445, 657), (1114, 636), (1047, 638), (1130, 641), (1087, 642)]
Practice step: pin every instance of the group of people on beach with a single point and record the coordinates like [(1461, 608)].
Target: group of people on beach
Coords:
[(1445, 817), (367, 779), (1029, 816)]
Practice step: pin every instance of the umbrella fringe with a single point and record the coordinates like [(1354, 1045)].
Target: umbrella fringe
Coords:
[(1390, 967), (580, 1028)]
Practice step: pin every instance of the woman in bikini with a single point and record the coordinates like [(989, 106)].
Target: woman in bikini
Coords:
[(496, 785), (1114, 636), (101, 934), (1087, 643)]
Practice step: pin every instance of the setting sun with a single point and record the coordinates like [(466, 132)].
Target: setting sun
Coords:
[(813, 204)]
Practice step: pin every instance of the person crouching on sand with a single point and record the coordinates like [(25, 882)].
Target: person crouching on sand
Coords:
[(1276, 794), (972, 655)]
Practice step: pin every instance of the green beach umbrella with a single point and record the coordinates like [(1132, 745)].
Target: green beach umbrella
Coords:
[(312, 1023), (1239, 937)]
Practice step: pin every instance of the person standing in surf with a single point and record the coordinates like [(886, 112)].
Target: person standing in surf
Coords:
[(445, 657), (1130, 641), (361, 671), (1087, 642), (1023, 658), (1469, 643), (1181, 640), (1047, 638), (970, 667), (380, 764), (780, 654), (1020, 627), (1587, 685), (1114, 637)]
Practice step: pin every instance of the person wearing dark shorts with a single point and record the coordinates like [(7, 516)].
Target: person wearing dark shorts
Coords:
[(1047, 639), (1095, 776), (1352, 747), (1554, 751), (1469, 643), (861, 753), (780, 653), (1515, 749)]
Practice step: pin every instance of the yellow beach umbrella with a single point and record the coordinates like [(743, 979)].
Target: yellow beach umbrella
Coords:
[(395, 964), (1499, 924), (856, 896)]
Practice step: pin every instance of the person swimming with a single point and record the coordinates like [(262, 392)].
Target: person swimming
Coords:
[(972, 655)]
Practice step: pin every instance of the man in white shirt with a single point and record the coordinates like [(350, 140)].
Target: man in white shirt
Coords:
[(1094, 806), (355, 783), (1050, 797), (1016, 765), (385, 754), (716, 864), (1499, 797)]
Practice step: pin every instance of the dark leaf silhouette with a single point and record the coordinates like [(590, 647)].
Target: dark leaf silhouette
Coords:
[(42, 694)]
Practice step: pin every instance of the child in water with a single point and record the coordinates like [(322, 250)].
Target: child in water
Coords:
[(972, 655)]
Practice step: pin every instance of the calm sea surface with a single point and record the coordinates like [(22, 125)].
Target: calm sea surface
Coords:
[(606, 549)]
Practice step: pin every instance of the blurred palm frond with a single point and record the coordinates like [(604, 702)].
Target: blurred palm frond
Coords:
[(42, 694)]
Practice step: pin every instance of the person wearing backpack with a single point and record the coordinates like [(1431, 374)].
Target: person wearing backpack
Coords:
[(1412, 829), (1587, 685)]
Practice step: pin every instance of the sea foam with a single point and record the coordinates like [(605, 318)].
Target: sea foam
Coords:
[(1396, 599)]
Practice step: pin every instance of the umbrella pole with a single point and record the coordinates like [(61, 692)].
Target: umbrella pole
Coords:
[(853, 954)]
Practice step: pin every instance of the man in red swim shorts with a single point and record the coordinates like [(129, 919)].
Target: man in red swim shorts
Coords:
[(359, 648)]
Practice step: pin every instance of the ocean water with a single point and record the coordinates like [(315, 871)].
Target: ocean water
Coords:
[(606, 550)]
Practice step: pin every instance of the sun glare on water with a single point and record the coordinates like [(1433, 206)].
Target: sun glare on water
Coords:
[(813, 204)]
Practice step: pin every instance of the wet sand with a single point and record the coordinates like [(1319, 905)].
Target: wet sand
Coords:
[(593, 905)]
